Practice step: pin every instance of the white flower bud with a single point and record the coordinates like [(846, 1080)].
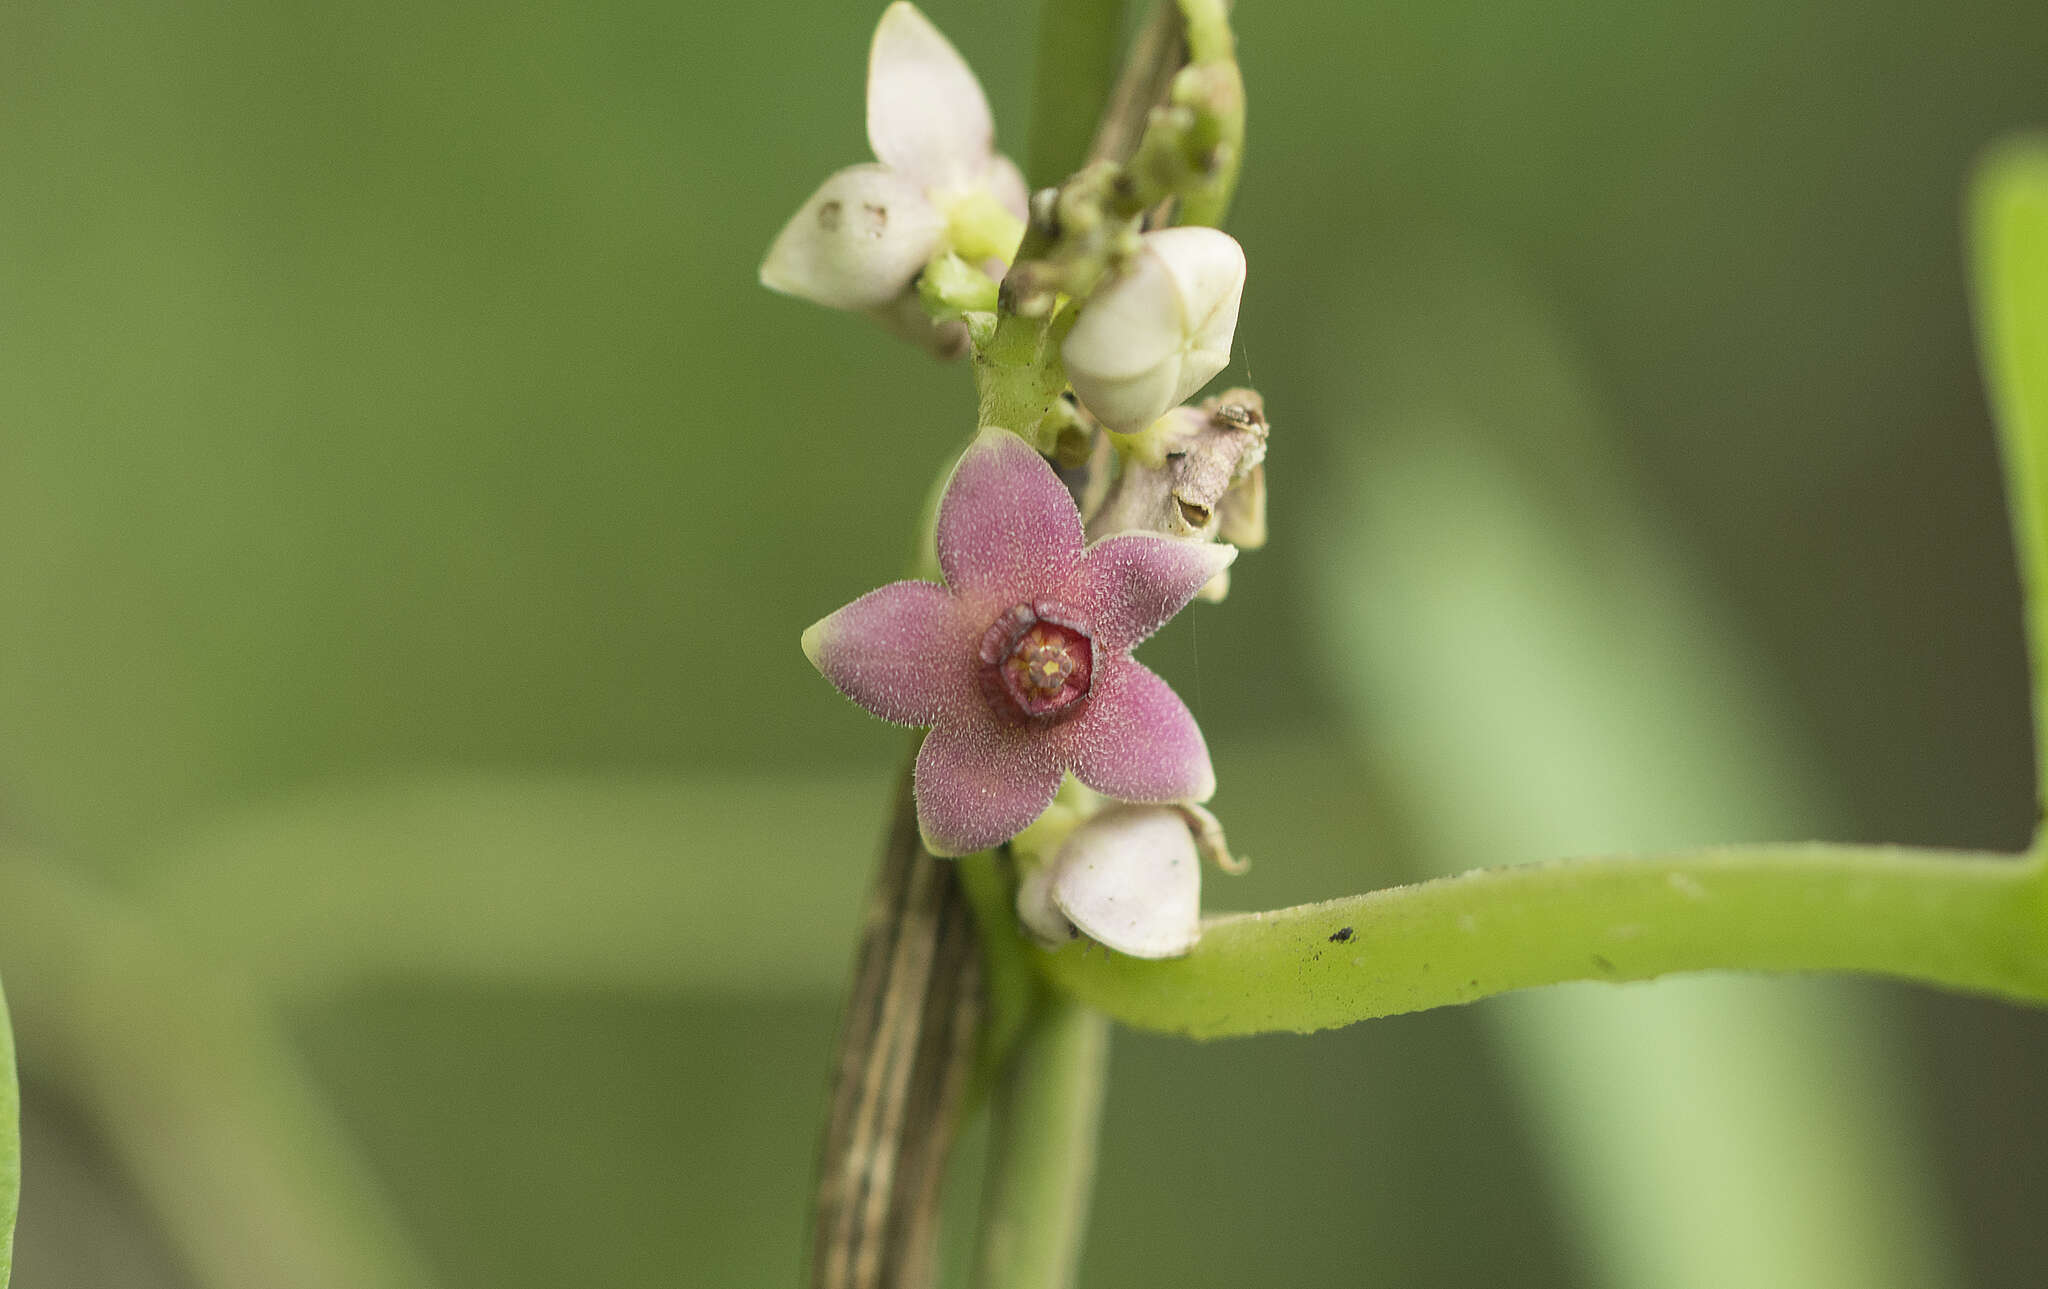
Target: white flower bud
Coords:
[(857, 243), (1131, 878), (1157, 331)]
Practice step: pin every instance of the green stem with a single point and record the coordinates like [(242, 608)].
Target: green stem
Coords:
[(1212, 87), (1191, 151), (1077, 62), (1045, 1115), (1014, 990), (1019, 374), (1158, 50), (1208, 28), (10, 1143), (1969, 921), (197, 1093)]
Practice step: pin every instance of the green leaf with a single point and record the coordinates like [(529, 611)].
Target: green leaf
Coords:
[(2009, 240), (10, 1143)]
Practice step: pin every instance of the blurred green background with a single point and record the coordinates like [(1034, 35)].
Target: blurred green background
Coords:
[(409, 504)]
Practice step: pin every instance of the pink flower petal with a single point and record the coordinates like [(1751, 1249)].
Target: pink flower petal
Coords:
[(1006, 524), (979, 783), (1137, 740), (902, 651), (1130, 584), (927, 116)]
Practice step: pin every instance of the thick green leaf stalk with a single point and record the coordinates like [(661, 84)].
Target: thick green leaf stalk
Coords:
[(1966, 921)]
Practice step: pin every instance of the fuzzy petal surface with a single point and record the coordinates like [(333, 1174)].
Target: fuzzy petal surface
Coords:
[(1138, 741), (1006, 525), (857, 242), (1130, 878), (927, 116), (979, 783), (1131, 584), (900, 651)]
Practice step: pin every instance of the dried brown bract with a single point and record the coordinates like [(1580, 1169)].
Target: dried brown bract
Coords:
[(1198, 473)]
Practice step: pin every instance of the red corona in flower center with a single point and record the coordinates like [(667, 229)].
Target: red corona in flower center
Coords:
[(1036, 663)]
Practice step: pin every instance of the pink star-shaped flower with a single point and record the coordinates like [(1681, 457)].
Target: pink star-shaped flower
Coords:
[(1021, 663)]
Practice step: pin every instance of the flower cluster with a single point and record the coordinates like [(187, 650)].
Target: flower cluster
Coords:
[(1018, 661)]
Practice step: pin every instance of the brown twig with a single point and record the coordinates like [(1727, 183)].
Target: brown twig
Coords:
[(1156, 54), (906, 1046)]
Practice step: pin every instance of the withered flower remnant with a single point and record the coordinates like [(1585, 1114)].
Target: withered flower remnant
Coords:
[(1196, 472)]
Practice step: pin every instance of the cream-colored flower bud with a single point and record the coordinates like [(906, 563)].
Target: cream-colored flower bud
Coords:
[(1131, 878), (1158, 330)]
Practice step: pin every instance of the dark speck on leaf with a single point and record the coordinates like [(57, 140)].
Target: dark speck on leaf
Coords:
[(1603, 964), (1340, 935)]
